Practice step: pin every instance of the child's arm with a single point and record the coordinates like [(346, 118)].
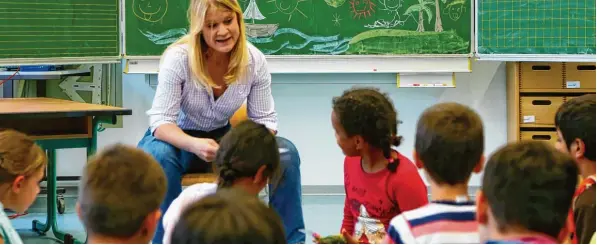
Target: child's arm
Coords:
[(348, 220), (410, 191)]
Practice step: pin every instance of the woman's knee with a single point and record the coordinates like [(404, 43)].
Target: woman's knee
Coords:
[(289, 155), (164, 153)]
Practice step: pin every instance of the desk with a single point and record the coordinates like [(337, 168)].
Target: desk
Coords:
[(57, 124)]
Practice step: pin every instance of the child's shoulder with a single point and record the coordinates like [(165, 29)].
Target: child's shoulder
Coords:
[(8, 233), (200, 189)]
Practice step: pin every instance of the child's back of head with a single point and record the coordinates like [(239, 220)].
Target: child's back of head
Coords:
[(119, 195), (22, 167), (449, 143), (227, 217), (527, 191), (449, 147), (248, 152)]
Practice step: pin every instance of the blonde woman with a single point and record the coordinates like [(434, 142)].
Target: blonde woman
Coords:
[(203, 79)]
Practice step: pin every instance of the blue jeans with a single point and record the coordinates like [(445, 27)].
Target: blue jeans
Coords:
[(285, 198)]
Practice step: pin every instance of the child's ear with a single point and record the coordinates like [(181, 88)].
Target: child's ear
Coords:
[(481, 204), (417, 160), (359, 142), (18, 183), (260, 177), (150, 224), (579, 151), (78, 210), (479, 167)]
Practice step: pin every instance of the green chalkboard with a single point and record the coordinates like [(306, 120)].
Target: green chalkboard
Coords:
[(536, 27), (317, 27), (59, 28)]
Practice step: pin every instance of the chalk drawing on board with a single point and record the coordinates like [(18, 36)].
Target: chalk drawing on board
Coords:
[(392, 7), (455, 9), (164, 38), (335, 3), (362, 8), (288, 7), (257, 30), (422, 8), (150, 10), (394, 41), (336, 19), (316, 44)]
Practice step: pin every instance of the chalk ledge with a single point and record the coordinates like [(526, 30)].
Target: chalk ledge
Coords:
[(335, 64)]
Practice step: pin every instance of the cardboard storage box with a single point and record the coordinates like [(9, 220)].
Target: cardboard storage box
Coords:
[(541, 75), (580, 75), (540, 111), (550, 137)]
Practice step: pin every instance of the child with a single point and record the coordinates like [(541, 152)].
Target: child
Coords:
[(575, 123), (119, 196), (229, 216), (248, 158), (449, 147), (527, 191), (380, 183), (22, 167)]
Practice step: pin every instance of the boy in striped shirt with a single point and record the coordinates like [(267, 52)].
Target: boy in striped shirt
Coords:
[(449, 148)]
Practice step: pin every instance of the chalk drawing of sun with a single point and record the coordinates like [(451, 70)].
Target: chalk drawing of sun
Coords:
[(288, 7), (362, 8)]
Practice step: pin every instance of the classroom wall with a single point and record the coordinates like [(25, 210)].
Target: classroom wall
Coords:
[(303, 103)]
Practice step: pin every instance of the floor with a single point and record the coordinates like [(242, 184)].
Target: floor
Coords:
[(323, 214)]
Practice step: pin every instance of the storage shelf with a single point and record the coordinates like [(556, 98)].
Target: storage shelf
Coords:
[(557, 91)]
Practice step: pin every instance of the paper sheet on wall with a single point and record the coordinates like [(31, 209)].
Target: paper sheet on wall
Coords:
[(426, 80)]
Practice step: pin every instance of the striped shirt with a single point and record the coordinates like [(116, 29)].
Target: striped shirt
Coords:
[(437, 222), (190, 105)]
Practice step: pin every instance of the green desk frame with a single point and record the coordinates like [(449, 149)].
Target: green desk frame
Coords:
[(51, 145), (57, 124)]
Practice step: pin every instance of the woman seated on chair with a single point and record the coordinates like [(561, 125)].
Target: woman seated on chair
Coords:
[(203, 79)]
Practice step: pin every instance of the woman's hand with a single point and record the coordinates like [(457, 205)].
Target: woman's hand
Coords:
[(205, 149)]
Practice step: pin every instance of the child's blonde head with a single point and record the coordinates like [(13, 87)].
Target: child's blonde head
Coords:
[(22, 165)]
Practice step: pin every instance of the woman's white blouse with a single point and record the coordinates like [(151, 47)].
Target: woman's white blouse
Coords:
[(182, 101)]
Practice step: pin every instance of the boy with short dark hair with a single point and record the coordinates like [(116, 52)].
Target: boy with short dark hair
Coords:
[(449, 147), (575, 123), (527, 191), (119, 196)]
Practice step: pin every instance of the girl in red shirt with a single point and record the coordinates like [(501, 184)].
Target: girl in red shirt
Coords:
[(380, 183)]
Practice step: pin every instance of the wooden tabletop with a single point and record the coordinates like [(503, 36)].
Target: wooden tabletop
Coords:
[(50, 107)]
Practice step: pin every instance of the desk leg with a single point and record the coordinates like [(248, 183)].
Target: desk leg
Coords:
[(92, 146), (51, 221)]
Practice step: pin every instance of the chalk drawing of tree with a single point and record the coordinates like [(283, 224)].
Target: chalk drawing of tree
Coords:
[(420, 7), (438, 17)]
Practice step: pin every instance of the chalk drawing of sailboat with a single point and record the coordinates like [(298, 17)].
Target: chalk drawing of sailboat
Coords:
[(257, 30)]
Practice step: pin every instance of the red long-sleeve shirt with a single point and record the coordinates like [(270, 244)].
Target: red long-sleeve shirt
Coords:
[(371, 198)]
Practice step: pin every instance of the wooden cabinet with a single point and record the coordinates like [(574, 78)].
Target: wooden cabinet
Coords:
[(535, 91)]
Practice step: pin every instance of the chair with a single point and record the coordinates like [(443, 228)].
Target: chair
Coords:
[(196, 178)]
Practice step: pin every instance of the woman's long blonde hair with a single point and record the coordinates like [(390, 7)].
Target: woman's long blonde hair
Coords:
[(239, 58)]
